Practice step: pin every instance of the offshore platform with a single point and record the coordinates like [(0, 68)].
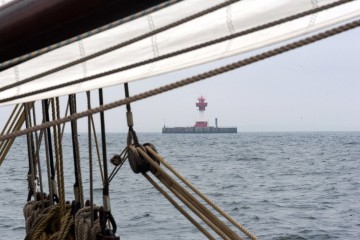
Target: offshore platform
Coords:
[(201, 125)]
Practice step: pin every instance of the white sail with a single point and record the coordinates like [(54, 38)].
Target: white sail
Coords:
[(234, 18)]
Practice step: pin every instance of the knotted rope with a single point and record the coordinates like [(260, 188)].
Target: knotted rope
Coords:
[(47, 223), (83, 228)]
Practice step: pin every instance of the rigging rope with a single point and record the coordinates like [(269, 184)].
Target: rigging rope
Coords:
[(178, 207), (30, 145), (49, 155), (179, 52), (207, 216), (18, 119), (123, 44), (78, 189), (192, 187), (90, 159), (37, 154), (211, 220), (97, 149), (58, 155), (190, 80)]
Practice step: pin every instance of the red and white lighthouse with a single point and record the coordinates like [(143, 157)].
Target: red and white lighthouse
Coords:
[(201, 104)]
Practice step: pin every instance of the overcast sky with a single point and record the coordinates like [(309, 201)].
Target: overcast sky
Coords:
[(314, 88)]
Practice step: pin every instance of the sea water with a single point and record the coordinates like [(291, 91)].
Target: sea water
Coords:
[(278, 185)]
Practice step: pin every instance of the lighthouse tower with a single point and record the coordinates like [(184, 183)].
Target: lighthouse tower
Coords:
[(201, 104)]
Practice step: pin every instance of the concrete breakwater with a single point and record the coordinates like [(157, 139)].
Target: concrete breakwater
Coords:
[(199, 130)]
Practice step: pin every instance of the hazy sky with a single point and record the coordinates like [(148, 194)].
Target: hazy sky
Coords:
[(314, 88)]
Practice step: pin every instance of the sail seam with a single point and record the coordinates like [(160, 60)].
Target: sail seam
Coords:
[(123, 44), (190, 80), (172, 54)]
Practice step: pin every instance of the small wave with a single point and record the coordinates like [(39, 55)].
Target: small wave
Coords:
[(352, 143), (18, 228), (250, 159), (276, 189), (229, 186), (145, 215), (9, 190), (290, 237), (217, 194)]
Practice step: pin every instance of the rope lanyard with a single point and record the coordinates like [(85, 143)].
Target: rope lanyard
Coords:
[(105, 213), (88, 96), (78, 190), (132, 138), (31, 172), (58, 155), (37, 156)]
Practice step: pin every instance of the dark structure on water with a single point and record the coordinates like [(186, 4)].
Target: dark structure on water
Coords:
[(201, 126)]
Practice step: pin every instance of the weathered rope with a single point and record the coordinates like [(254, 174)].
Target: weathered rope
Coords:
[(123, 44), (9, 119), (196, 210), (97, 149), (13, 121), (23, 58), (46, 223), (199, 209), (30, 145), (84, 229), (193, 79), (78, 182), (192, 187), (15, 125), (176, 53), (66, 112), (47, 155), (88, 96), (37, 154), (178, 207), (58, 154)]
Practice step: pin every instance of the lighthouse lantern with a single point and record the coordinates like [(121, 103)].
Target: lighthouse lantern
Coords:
[(201, 104)]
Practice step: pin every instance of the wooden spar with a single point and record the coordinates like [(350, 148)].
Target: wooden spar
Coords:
[(27, 26)]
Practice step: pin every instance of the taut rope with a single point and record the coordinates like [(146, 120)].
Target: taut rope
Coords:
[(192, 187), (58, 154), (199, 209), (178, 207)]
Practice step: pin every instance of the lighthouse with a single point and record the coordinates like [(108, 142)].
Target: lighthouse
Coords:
[(201, 104), (201, 125)]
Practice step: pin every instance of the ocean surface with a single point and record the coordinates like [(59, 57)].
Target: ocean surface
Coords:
[(278, 185)]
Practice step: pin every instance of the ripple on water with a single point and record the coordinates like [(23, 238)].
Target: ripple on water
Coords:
[(282, 186), (248, 159)]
